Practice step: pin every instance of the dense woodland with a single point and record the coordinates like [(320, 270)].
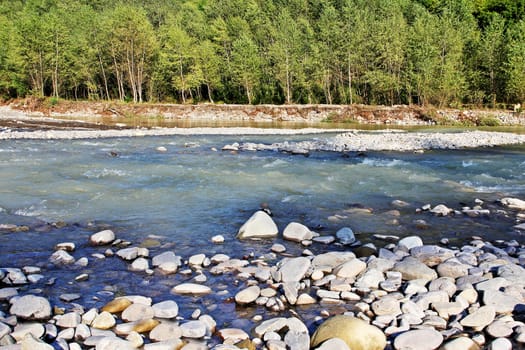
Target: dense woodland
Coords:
[(438, 52)]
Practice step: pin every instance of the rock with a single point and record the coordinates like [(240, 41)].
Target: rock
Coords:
[(104, 320), (324, 239), (61, 257), (117, 305), (356, 333), (69, 320), (112, 343), (166, 309), (7, 293), (67, 246), (431, 255), (513, 203), (294, 269), (165, 331), (305, 299), (413, 269), (410, 242), (233, 334), (278, 248), (31, 343), (166, 257), (161, 149), (452, 269), (297, 232), (480, 318), (350, 269), (500, 344), (165, 345), (135, 339), (31, 307), (248, 295), (271, 325), (386, 306), (217, 239), (102, 237), (297, 340), (259, 225), (345, 236), (513, 273), (334, 344), (128, 253), (420, 339), (499, 329), (441, 210), (331, 259), (21, 330), (193, 329), (196, 260), (145, 325), (461, 343), (501, 302), (370, 279), (140, 264), (136, 312), (191, 288)]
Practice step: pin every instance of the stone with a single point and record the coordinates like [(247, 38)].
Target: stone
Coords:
[(69, 320), (501, 302), (128, 253), (117, 305), (217, 239), (513, 203), (135, 339), (165, 331), (136, 312), (31, 343), (386, 306), (297, 232), (431, 255), (480, 318), (191, 288), (324, 239), (196, 260), (271, 325), (294, 269), (350, 269), (445, 284), (140, 264), (61, 257), (67, 246), (512, 273), (500, 344), (166, 309), (165, 345), (370, 279), (305, 299), (166, 257), (452, 269), (193, 329), (441, 210), (145, 325), (7, 293), (297, 340), (413, 269), (21, 330), (102, 238), (345, 236), (82, 332), (31, 307), (499, 329), (248, 295), (233, 334), (334, 344), (461, 343), (356, 333), (259, 225), (112, 343), (331, 259), (420, 339), (104, 320), (410, 242)]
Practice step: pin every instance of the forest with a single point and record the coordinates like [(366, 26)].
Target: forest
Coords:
[(426, 52)]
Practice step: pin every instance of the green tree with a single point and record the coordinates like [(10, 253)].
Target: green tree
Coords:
[(516, 62), (246, 65)]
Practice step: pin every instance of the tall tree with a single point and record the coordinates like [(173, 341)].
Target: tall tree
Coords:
[(516, 63), (246, 65)]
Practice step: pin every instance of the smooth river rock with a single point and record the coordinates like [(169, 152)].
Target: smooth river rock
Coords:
[(294, 269), (102, 237), (248, 295), (191, 288), (31, 307), (420, 339), (413, 269), (356, 333), (259, 225), (297, 232)]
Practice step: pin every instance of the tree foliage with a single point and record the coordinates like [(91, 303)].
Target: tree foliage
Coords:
[(440, 52)]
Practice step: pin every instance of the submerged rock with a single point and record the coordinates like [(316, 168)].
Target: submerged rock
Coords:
[(102, 238)]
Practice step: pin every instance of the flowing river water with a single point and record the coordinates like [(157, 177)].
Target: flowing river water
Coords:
[(65, 190)]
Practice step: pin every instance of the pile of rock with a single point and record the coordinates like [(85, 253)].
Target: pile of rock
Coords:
[(406, 295)]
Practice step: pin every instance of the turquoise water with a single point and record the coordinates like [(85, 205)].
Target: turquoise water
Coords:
[(191, 192)]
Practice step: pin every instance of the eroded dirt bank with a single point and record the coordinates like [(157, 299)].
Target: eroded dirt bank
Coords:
[(389, 115)]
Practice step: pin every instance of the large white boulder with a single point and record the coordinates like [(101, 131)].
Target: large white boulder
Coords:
[(259, 225)]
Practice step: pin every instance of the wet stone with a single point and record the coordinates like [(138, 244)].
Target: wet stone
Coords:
[(421, 339), (31, 307), (166, 309)]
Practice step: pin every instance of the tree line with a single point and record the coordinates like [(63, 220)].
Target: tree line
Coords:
[(438, 52)]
